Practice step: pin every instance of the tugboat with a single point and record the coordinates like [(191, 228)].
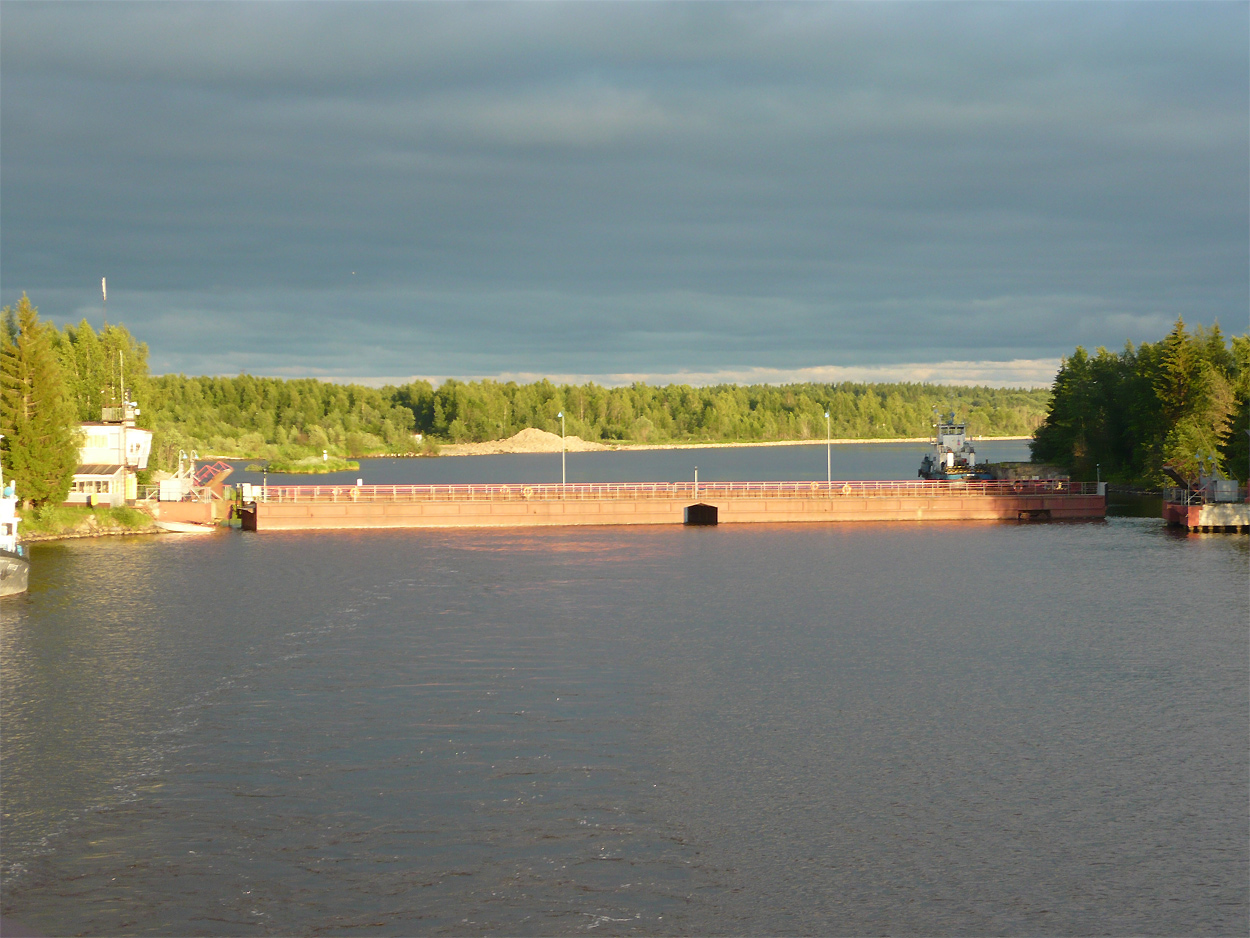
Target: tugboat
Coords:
[(953, 456), (14, 567)]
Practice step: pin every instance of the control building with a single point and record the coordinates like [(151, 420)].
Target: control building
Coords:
[(113, 450)]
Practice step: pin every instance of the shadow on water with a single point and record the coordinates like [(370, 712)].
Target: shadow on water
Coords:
[(1126, 505)]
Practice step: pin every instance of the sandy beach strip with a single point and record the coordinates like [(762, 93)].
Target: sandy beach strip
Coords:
[(835, 441), (539, 441)]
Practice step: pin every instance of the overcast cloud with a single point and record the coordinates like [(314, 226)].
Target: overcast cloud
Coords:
[(661, 191)]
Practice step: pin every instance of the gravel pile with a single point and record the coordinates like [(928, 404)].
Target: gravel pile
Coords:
[(529, 440)]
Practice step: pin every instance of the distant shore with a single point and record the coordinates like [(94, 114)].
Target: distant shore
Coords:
[(533, 441), (550, 442), (913, 439)]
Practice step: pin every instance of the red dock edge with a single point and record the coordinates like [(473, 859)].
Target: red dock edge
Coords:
[(344, 507), (1200, 516)]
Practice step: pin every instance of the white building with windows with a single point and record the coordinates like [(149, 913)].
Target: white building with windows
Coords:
[(113, 450)]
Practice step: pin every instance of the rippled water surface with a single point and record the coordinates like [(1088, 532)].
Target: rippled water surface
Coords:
[(843, 729)]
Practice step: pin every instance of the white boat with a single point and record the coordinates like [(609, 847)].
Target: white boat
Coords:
[(14, 564), (953, 456), (185, 527)]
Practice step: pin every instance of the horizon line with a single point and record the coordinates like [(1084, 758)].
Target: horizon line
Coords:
[(1033, 373)]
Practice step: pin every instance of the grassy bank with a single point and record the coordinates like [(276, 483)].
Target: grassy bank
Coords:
[(80, 521), (313, 465)]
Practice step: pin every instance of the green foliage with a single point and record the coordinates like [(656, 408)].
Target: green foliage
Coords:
[(312, 465), (1236, 448), (100, 368), (270, 418), (37, 415), (1163, 404), (291, 421), (59, 520), (459, 413)]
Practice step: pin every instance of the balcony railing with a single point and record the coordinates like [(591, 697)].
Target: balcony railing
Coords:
[(682, 491), (1176, 495)]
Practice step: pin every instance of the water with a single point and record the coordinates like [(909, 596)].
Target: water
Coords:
[(843, 729), (864, 461)]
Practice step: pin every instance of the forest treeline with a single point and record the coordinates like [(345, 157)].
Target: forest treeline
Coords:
[(271, 417), (1176, 402), (275, 418), (1183, 402)]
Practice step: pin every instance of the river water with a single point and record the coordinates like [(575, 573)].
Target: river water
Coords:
[(798, 463), (939, 729)]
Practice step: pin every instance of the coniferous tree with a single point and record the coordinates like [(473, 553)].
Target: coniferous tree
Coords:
[(82, 365), (37, 417), (1197, 398), (100, 367), (1236, 443), (1064, 437), (1180, 402)]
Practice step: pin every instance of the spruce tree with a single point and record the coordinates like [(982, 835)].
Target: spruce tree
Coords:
[(37, 417), (95, 366), (82, 367)]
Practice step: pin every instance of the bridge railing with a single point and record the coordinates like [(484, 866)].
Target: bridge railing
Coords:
[(683, 491)]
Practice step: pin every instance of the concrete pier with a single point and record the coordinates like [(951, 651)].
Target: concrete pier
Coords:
[(1231, 517), (314, 507)]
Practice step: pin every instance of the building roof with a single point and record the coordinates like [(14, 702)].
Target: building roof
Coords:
[(98, 469), (113, 426)]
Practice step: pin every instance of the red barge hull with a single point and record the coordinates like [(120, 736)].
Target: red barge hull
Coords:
[(294, 508)]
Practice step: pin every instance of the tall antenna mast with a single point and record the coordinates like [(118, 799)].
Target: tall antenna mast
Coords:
[(104, 292)]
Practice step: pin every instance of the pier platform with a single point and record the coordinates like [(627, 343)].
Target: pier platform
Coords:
[(1208, 517), (344, 507)]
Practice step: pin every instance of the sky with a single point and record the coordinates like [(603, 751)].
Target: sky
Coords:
[(695, 192)]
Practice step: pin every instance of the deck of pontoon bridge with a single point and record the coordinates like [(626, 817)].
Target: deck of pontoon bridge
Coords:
[(296, 507)]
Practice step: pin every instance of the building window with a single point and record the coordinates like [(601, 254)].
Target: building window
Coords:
[(93, 487)]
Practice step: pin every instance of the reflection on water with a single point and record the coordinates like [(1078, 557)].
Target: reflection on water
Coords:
[(843, 729), (1123, 505), (74, 688)]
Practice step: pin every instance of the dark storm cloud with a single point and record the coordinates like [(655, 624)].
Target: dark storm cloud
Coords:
[(638, 188)]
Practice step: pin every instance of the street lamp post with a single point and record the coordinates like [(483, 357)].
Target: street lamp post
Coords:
[(563, 477), (828, 452)]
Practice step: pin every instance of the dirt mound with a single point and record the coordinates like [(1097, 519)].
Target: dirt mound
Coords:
[(529, 440)]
